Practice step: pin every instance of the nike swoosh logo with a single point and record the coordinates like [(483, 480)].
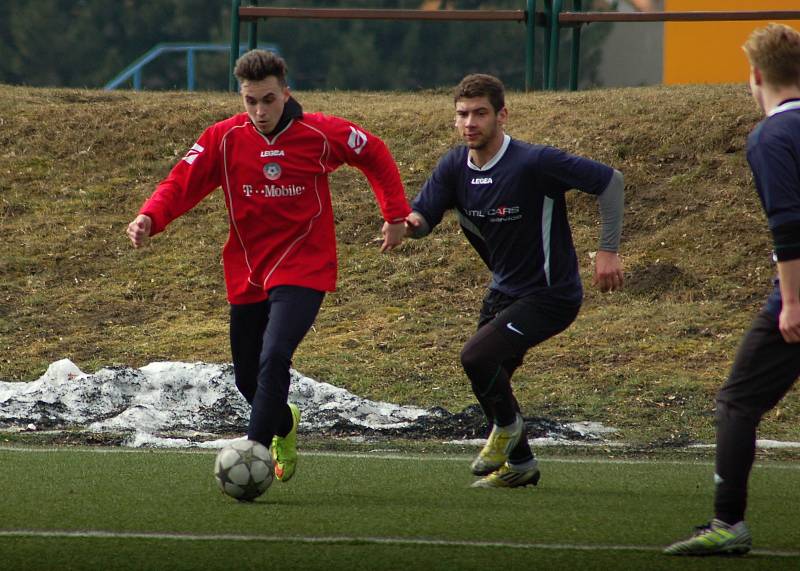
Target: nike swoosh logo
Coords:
[(514, 329)]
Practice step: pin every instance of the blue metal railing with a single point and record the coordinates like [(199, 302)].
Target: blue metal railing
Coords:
[(134, 71)]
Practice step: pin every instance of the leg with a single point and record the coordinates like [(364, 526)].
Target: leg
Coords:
[(292, 311), (482, 359), (493, 353), (477, 358), (248, 322), (764, 370)]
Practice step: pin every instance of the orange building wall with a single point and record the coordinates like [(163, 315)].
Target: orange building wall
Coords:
[(711, 52)]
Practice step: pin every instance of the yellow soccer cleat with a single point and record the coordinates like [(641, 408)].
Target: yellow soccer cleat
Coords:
[(499, 445), (508, 477), (284, 449), (715, 538)]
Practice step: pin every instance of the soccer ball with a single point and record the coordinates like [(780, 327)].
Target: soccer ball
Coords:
[(243, 470)]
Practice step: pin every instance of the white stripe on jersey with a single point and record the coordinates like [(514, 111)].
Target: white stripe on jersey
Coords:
[(547, 224)]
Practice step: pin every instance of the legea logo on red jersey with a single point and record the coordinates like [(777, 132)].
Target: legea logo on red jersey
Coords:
[(193, 153), (357, 140)]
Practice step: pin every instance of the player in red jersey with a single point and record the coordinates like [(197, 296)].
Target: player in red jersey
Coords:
[(272, 163)]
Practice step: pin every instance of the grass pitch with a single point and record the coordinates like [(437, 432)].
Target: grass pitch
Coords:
[(89, 508)]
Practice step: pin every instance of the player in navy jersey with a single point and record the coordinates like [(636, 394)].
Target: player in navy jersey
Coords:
[(509, 197), (767, 363)]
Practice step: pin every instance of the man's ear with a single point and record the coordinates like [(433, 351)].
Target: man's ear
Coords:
[(758, 78), (502, 115)]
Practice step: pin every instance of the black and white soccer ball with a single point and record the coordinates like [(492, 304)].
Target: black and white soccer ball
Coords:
[(244, 470)]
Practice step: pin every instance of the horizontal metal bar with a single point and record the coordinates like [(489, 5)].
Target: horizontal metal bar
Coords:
[(589, 17), (255, 12)]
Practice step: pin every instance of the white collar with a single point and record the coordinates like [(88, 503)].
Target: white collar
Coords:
[(494, 160), (788, 106)]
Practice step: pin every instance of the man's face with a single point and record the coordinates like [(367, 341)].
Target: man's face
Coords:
[(264, 100), (477, 123)]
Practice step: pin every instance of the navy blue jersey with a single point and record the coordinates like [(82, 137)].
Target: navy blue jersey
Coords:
[(513, 211), (773, 151)]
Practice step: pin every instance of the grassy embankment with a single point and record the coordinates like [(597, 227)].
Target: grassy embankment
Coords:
[(76, 165)]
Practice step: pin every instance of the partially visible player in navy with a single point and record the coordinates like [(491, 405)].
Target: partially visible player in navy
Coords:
[(767, 363), (509, 196)]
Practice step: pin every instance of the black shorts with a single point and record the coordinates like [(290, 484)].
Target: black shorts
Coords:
[(527, 321), (764, 370)]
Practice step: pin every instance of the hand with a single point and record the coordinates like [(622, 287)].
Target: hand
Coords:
[(607, 271), (139, 230), (789, 322), (412, 224), (392, 235)]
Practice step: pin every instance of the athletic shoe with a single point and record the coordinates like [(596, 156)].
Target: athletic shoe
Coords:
[(508, 477), (284, 449), (499, 445), (714, 538)]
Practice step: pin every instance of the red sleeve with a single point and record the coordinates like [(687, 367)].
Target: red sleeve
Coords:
[(359, 148), (189, 181)]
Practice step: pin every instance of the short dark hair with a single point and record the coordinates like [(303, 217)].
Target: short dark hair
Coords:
[(256, 65), (481, 85)]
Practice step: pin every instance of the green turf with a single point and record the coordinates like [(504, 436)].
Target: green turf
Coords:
[(411, 501)]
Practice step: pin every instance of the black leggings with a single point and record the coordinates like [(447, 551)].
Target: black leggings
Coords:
[(764, 370), (264, 337), (507, 328)]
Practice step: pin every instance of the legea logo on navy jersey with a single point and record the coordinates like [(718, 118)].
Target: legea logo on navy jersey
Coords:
[(499, 214), (482, 180)]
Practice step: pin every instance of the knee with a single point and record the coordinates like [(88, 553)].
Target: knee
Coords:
[(731, 409), (472, 358), (275, 357)]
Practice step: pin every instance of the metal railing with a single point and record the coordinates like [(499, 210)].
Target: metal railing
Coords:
[(576, 19), (552, 19), (254, 13), (133, 72)]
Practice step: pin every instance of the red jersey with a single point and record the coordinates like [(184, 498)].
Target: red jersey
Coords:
[(276, 191)]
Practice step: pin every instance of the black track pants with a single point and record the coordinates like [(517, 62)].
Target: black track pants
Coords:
[(507, 329), (264, 337), (764, 370)]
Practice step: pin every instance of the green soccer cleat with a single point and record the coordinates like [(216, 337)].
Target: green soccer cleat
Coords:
[(714, 538), (508, 477), (499, 445), (284, 449)]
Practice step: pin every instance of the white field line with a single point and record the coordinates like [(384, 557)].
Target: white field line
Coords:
[(354, 540), (386, 456)]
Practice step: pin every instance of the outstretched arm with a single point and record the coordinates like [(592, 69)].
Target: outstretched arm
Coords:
[(607, 264), (358, 147)]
